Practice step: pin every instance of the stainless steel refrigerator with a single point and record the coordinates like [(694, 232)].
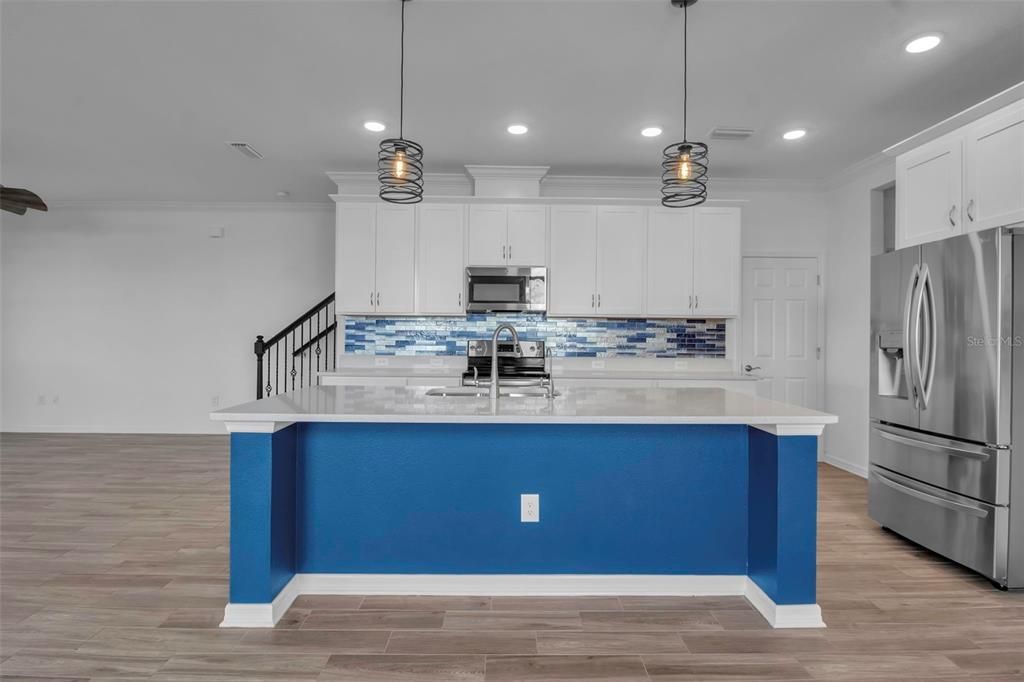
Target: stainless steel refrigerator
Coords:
[(947, 399)]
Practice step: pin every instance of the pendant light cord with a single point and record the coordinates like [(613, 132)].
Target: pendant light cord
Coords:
[(686, 64), (401, 81)]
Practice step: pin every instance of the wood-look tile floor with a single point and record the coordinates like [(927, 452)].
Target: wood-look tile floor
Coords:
[(113, 565)]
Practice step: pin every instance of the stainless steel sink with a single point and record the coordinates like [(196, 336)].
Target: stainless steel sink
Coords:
[(477, 392)]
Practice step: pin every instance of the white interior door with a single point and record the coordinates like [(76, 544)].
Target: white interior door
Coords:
[(780, 328)]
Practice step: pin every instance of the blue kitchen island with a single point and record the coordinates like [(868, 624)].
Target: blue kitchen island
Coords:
[(388, 490)]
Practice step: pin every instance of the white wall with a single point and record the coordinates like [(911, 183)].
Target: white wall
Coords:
[(848, 314), (133, 319)]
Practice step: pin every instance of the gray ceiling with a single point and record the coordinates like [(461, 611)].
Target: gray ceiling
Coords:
[(135, 99)]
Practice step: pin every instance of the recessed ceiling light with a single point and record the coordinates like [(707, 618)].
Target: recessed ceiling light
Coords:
[(794, 134), (517, 129), (375, 126), (653, 131), (923, 43)]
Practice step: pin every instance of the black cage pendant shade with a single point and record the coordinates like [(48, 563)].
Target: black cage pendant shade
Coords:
[(400, 161), (684, 165)]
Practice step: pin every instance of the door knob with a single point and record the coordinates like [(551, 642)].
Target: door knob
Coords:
[(749, 368)]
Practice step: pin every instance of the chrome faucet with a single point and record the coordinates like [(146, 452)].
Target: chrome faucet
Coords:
[(504, 326)]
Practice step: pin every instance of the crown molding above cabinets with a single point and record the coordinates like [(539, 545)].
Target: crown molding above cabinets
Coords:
[(507, 182)]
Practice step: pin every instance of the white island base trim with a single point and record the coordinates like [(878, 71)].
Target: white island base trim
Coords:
[(565, 585)]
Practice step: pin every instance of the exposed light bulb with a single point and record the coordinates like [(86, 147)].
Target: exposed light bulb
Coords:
[(399, 169), (683, 172)]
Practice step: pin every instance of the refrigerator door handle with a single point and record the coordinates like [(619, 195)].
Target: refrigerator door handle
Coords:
[(928, 292), (908, 347), (916, 328), (928, 497), (935, 447)]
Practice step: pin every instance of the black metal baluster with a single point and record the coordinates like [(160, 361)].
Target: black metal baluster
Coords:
[(259, 349), (293, 360), (277, 368)]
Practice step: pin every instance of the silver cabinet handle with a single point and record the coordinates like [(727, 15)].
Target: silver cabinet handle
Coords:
[(749, 368), (510, 252), (592, 300), (460, 299), (933, 499), (696, 302), (952, 220), (503, 252), (599, 300), (970, 210), (371, 299), (691, 301), (378, 299), (935, 447)]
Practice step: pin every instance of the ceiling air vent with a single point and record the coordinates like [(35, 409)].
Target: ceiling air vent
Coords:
[(245, 148), (723, 133)]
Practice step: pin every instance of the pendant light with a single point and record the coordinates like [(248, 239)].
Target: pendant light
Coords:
[(400, 161), (684, 166)]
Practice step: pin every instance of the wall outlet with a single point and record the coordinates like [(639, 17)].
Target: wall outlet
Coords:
[(215, 401), (682, 364), (380, 362), (529, 508), (436, 362), (597, 364)]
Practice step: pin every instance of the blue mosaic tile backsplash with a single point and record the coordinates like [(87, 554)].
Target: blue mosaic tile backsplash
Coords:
[(565, 337)]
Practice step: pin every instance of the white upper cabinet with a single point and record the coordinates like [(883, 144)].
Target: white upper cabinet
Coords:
[(994, 180), (354, 258), (621, 245), (572, 276), (375, 259), (971, 179), (716, 262), (669, 262), (929, 189), (440, 276), (488, 235), (507, 235), (527, 236), (396, 259)]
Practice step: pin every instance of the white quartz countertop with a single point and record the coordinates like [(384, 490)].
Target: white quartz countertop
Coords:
[(575, 405), (566, 373)]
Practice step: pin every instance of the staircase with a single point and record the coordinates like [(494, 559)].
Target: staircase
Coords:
[(294, 357)]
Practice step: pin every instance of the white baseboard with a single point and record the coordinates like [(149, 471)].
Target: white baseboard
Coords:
[(267, 615), (263, 615), (855, 469), (786, 615)]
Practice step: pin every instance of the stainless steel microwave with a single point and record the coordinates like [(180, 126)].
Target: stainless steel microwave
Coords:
[(506, 289)]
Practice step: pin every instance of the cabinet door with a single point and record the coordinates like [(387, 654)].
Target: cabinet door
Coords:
[(354, 249), (572, 273), (669, 262), (716, 262), (995, 170), (440, 273), (928, 190), (527, 235), (396, 260), (621, 246), (488, 231)]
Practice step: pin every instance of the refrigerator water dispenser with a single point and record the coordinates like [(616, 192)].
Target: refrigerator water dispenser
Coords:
[(891, 377)]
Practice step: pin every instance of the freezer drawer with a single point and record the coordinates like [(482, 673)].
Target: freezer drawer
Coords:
[(969, 532), (965, 468)]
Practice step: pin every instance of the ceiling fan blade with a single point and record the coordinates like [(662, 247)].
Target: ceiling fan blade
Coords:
[(13, 208), (16, 197)]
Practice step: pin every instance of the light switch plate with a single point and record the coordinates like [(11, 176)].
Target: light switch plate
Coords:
[(529, 508)]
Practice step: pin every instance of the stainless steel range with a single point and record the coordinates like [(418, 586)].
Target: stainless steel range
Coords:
[(947, 399), (528, 367)]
